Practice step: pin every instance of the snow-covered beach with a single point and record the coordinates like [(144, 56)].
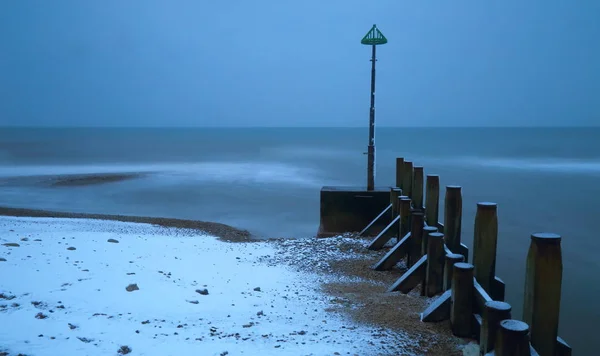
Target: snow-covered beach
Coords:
[(97, 287)]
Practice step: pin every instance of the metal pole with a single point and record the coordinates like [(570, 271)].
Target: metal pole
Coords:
[(371, 149)]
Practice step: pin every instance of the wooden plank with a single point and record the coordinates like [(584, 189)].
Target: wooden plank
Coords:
[(411, 278), (481, 297), (439, 310), (394, 255), (381, 239), (375, 220)]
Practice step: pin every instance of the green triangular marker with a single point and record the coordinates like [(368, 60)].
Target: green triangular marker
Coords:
[(374, 37)]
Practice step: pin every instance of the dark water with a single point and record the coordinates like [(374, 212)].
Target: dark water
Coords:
[(267, 180)]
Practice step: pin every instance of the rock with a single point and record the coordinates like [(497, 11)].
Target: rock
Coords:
[(132, 287), (260, 313), (146, 322), (130, 273), (85, 339), (71, 248), (11, 244), (113, 241), (257, 289), (72, 327), (41, 316), (124, 350), (2, 259), (203, 291), (193, 301), (24, 239)]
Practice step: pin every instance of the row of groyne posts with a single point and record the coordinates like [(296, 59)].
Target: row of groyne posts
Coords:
[(470, 295)]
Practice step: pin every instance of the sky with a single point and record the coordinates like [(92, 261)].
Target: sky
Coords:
[(298, 63)]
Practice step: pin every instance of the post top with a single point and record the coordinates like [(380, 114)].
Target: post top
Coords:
[(546, 238), (464, 266), (416, 212), (430, 228), (486, 205), (408, 162), (455, 257), (453, 187), (515, 326), (436, 235), (418, 167), (433, 175), (404, 198), (498, 305)]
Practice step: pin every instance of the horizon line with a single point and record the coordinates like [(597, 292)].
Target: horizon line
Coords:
[(291, 127)]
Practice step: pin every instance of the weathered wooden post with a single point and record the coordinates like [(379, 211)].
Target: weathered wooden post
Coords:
[(453, 218), (484, 245), (427, 230), (513, 339), (451, 259), (461, 311), (494, 312), (399, 172), (417, 188), (434, 274), (543, 280), (394, 194), (408, 177), (404, 211), (432, 196), (416, 237)]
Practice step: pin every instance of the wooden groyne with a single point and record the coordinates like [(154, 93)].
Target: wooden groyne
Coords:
[(468, 294)]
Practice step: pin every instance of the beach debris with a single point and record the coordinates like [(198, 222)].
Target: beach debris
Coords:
[(6, 296), (72, 327), (38, 304), (41, 315), (24, 239), (257, 289), (113, 241), (11, 244), (2, 259), (71, 248), (192, 301), (124, 350), (202, 291), (85, 339), (132, 287)]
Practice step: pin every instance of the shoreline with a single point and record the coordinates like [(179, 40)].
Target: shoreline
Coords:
[(221, 231)]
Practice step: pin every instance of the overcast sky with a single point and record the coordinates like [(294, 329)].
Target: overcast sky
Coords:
[(298, 63)]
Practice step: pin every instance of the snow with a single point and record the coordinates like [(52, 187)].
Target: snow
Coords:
[(252, 308)]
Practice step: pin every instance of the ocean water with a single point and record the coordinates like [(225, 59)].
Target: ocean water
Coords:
[(267, 180)]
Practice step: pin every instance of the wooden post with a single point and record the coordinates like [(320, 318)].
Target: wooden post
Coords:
[(394, 194), (513, 339), (453, 217), (404, 212), (417, 187), (408, 177), (434, 274), (461, 312), (432, 196), (484, 245), (543, 280), (399, 172), (493, 313), (416, 237), (451, 259), (427, 230)]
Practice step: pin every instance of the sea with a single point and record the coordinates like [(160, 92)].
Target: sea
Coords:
[(267, 180)]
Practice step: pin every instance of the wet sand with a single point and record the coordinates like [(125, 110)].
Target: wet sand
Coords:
[(222, 231)]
